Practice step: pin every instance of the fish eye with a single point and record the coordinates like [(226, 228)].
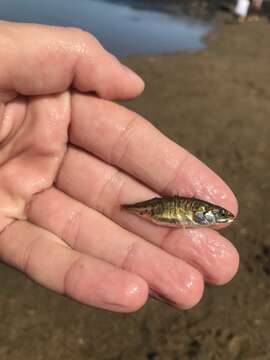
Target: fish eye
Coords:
[(223, 212)]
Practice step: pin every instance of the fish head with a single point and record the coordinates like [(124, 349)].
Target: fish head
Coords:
[(212, 215)]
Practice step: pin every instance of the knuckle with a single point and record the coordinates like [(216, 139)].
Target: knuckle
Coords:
[(6, 243), (83, 38), (25, 262), (131, 252), (112, 189), (122, 145), (71, 229), (72, 276)]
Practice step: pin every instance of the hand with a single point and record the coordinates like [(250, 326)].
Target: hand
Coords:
[(67, 162)]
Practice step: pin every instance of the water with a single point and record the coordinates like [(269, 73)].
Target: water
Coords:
[(121, 27)]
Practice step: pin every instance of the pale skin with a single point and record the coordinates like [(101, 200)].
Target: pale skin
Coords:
[(69, 158)]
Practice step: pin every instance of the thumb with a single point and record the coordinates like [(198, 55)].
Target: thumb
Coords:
[(38, 59)]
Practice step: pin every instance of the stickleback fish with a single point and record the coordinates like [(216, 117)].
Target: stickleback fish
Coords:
[(180, 211)]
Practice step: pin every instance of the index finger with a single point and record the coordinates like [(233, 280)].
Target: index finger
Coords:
[(126, 140), (39, 59)]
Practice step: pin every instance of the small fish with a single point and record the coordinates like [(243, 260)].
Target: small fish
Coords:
[(179, 211)]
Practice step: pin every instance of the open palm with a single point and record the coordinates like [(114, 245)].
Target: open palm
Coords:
[(69, 157)]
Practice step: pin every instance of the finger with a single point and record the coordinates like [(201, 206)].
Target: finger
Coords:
[(104, 188), (47, 260), (89, 232), (39, 59), (127, 141)]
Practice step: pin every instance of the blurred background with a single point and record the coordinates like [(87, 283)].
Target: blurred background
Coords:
[(208, 89)]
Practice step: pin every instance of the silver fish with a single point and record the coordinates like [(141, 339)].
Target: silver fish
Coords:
[(179, 211)]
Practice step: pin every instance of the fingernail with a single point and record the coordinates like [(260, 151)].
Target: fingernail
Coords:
[(161, 298)]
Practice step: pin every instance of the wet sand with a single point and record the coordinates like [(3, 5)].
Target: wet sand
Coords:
[(216, 103)]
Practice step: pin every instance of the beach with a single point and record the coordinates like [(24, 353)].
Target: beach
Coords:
[(214, 102)]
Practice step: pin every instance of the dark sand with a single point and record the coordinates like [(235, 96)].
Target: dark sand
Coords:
[(216, 103)]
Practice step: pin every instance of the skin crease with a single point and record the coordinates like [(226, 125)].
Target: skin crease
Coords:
[(69, 159)]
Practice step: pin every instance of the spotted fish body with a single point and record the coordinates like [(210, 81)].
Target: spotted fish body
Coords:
[(179, 211)]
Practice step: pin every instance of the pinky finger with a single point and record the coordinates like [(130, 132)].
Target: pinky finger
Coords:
[(51, 263)]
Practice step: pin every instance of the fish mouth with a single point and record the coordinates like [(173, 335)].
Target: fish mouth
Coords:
[(227, 220)]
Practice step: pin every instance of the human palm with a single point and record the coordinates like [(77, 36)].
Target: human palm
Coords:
[(69, 157)]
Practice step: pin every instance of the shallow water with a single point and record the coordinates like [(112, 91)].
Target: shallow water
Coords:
[(123, 28)]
